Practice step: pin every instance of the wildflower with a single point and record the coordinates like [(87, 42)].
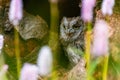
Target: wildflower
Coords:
[(107, 6), (44, 61), (29, 72), (1, 42), (15, 11), (100, 38), (87, 10), (3, 72), (53, 1)]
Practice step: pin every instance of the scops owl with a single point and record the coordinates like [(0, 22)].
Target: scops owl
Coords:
[(72, 38)]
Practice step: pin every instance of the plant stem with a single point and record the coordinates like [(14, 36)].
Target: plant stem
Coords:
[(87, 48), (53, 37), (17, 51), (105, 67)]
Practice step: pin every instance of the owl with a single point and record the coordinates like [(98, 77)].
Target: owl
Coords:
[(72, 32)]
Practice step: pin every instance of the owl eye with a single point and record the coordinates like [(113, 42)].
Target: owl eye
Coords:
[(64, 27), (76, 26)]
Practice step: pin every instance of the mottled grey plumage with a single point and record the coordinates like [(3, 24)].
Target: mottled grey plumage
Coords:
[(72, 37)]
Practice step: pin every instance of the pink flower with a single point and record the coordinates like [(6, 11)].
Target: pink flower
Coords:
[(107, 6), (3, 72), (87, 10), (1, 42), (44, 61), (100, 38), (15, 11), (29, 72), (53, 1)]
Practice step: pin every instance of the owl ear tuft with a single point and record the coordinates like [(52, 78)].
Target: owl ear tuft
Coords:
[(64, 20)]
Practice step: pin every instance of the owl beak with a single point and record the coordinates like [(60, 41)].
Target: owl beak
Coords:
[(69, 34)]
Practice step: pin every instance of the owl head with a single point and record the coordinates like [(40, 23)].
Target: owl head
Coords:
[(71, 28)]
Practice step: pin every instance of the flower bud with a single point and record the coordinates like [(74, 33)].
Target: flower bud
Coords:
[(44, 61), (100, 38), (29, 72), (87, 10), (15, 11), (107, 6)]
